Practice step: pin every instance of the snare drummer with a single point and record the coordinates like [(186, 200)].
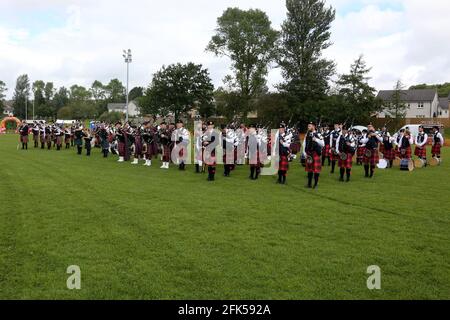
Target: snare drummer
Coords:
[(346, 145), (421, 145), (371, 155), (312, 150), (404, 145), (438, 143), (333, 146)]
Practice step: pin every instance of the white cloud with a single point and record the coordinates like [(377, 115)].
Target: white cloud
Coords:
[(87, 42)]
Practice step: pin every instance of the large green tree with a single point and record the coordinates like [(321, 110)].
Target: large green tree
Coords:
[(115, 91), (177, 89), (3, 90), (249, 41), (305, 35), (360, 102), (396, 108), (21, 95)]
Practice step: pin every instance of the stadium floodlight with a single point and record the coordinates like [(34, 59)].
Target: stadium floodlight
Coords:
[(128, 59)]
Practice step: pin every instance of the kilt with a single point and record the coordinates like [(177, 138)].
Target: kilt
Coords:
[(326, 150), (360, 152), (24, 139), (382, 148), (138, 147), (316, 165), (406, 153), (333, 156), (48, 138), (389, 155), (35, 137), (67, 140), (347, 163), (397, 152), (284, 163), (436, 150), (373, 159), (121, 149), (295, 148), (165, 153), (42, 138), (421, 152), (58, 140), (152, 150)]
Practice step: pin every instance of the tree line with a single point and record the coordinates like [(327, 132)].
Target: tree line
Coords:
[(311, 89)]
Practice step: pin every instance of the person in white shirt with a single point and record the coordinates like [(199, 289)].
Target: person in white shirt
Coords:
[(421, 142), (438, 143)]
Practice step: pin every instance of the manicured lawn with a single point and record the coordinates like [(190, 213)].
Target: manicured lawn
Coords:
[(144, 233)]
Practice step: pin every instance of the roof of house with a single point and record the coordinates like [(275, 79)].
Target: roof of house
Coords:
[(409, 95), (443, 103), (116, 106)]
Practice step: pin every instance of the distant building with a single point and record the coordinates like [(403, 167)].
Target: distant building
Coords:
[(133, 108), (444, 104), (421, 103)]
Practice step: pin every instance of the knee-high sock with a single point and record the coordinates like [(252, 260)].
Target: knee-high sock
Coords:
[(316, 179), (349, 173), (372, 171), (280, 176), (252, 172), (342, 173), (333, 166), (310, 177), (366, 169)]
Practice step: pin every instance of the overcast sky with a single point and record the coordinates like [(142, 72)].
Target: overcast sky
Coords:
[(79, 41)]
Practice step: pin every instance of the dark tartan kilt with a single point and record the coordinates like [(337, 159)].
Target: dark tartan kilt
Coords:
[(334, 157), (389, 155), (360, 152), (295, 148), (35, 137), (284, 163), (382, 148), (373, 160), (138, 148), (58, 140), (166, 153), (406, 153), (348, 163), (421, 152), (67, 140), (121, 149), (316, 165), (42, 138), (151, 150), (24, 139), (326, 151), (397, 152), (436, 150), (48, 138)]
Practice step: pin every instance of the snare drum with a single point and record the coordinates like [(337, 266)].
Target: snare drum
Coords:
[(396, 162), (382, 164), (406, 165), (435, 162), (419, 163)]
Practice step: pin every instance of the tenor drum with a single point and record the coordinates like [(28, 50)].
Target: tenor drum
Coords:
[(419, 163), (382, 164), (406, 165), (435, 162), (396, 162)]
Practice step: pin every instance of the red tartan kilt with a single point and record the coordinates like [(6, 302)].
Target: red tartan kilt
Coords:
[(348, 163), (284, 163), (382, 148), (406, 154), (326, 150), (421, 152), (24, 139), (360, 152), (436, 150), (166, 153), (373, 160), (58, 140), (67, 140), (389, 154), (316, 165), (121, 149), (334, 157), (397, 152)]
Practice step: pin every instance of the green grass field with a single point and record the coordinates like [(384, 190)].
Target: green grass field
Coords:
[(144, 233)]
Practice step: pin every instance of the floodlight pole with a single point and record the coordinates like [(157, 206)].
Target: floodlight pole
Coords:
[(128, 60)]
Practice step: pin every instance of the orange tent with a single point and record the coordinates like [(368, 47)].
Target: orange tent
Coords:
[(9, 119)]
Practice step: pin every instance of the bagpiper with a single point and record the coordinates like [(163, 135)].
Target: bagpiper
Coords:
[(312, 151), (421, 142), (23, 131), (210, 143), (150, 147), (254, 143), (35, 131), (42, 135), (78, 139), (122, 135), (199, 133), (229, 143), (104, 140), (164, 138), (346, 147), (87, 136), (138, 146), (58, 137), (438, 143), (326, 133), (388, 148), (361, 147), (334, 135), (283, 142), (371, 156), (67, 137), (404, 145)]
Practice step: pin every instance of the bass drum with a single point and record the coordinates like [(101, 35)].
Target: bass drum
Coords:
[(419, 163), (435, 162), (383, 164), (406, 165)]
